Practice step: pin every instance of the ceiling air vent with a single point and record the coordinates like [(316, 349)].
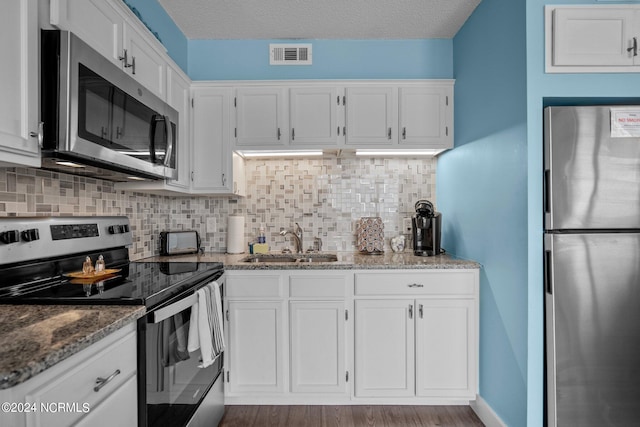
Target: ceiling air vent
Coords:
[(290, 54)]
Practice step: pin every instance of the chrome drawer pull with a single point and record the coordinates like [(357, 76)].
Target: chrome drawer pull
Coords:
[(103, 381), (416, 285)]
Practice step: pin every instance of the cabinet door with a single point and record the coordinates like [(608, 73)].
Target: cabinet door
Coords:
[(256, 347), (384, 348), (445, 348), (179, 97), (313, 116), (260, 117), (145, 64), (211, 159), (317, 341), (425, 116), (593, 36), (96, 22), (19, 83), (371, 118), (119, 409)]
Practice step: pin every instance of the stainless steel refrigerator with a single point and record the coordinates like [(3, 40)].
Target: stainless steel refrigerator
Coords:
[(592, 265)]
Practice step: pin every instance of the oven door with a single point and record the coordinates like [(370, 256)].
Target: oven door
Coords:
[(176, 386)]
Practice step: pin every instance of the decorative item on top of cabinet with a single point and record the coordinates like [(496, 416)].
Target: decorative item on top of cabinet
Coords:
[(20, 132), (594, 38)]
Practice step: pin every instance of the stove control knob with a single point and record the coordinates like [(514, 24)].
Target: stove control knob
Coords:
[(114, 229), (11, 236), (30, 235), (125, 228)]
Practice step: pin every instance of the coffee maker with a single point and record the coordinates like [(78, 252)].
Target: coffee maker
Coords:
[(427, 224)]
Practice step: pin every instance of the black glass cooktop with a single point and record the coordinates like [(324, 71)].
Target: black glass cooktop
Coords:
[(137, 283)]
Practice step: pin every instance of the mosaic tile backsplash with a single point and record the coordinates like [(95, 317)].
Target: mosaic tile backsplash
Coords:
[(326, 196)]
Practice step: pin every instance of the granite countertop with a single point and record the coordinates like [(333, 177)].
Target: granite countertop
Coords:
[(36, 337), (346, 261)]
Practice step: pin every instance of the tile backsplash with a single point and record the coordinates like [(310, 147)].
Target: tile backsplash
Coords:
[(326, 196)]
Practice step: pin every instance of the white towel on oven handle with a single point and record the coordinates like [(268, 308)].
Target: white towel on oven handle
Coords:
[(205, 325)]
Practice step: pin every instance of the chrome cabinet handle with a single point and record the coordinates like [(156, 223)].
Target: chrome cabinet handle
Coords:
[(389, 133), (415, 285), (278, 134), (124, 57), (410, 311), (634, 48), (404, 133), (39, 134), (103, 381), (224, 180), (132, 65), (191, 175), (420, 310), (293, 134)]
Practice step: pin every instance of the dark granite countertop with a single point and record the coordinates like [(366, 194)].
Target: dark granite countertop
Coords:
[(36, 337), (346, 261)]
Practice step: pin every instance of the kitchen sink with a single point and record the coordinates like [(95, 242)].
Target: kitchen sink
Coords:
[(299, 258)]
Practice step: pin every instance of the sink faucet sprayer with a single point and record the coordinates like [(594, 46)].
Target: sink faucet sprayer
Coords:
[(297, 235)]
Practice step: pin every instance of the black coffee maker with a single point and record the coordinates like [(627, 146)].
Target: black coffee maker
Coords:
[(426, 229)]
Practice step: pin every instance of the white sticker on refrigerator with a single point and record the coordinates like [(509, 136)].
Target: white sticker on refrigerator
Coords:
[(625, 123)]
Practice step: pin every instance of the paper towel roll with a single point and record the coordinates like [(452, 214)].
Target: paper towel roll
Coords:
[(235, 235)]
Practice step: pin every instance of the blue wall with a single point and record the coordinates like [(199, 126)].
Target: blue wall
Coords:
[(332, 59), (481, 191)]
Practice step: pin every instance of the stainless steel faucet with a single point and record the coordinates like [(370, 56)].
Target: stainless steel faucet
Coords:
[(297, 235)]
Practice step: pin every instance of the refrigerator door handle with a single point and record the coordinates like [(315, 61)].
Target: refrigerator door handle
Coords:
[(548, 274), (547, 191)]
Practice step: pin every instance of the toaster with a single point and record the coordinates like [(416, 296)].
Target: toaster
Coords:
[(179, 242)]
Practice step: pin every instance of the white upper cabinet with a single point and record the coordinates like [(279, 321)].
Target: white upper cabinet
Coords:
[(371, 117), (425, 117), (313, 116), (592, 38), (114, 31), (261, 117), (19, 84), (211, 157)]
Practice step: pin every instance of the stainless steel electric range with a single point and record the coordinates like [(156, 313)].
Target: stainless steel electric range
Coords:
[(39, 254)]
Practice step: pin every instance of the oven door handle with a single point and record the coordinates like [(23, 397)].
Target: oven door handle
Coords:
[(173, 309)]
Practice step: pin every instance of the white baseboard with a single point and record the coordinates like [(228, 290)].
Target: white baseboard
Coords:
[(486, 413)]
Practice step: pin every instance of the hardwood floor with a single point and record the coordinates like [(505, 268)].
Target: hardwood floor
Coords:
[(349, 416)]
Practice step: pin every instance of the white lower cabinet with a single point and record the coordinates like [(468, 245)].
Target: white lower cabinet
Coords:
[(317, 342), (425, 346), (344, 336), (66, 394), (256, 348)]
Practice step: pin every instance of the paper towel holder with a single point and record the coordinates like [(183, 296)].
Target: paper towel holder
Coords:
[(235, 235)]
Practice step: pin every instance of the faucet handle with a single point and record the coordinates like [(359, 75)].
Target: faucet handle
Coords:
[(317, 244)]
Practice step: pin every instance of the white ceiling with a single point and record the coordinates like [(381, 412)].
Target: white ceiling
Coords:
[(319, 19)]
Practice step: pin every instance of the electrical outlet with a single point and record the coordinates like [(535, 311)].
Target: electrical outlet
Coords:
[(211, 225), (406, 225)]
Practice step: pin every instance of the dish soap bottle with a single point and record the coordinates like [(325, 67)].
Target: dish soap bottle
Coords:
[(261, 237), (100, 264)]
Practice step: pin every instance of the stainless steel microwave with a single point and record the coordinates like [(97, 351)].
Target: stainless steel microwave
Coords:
[(99, 121)]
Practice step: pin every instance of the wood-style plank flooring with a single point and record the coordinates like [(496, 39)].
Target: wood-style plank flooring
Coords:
[(349, 416)]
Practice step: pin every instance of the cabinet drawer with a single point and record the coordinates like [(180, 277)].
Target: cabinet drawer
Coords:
[(427, 283), (77, 384), (321, 285), (255, 286)]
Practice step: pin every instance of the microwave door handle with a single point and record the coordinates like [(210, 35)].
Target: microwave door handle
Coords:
[(173, 309), (169, 135), (152, 138)]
